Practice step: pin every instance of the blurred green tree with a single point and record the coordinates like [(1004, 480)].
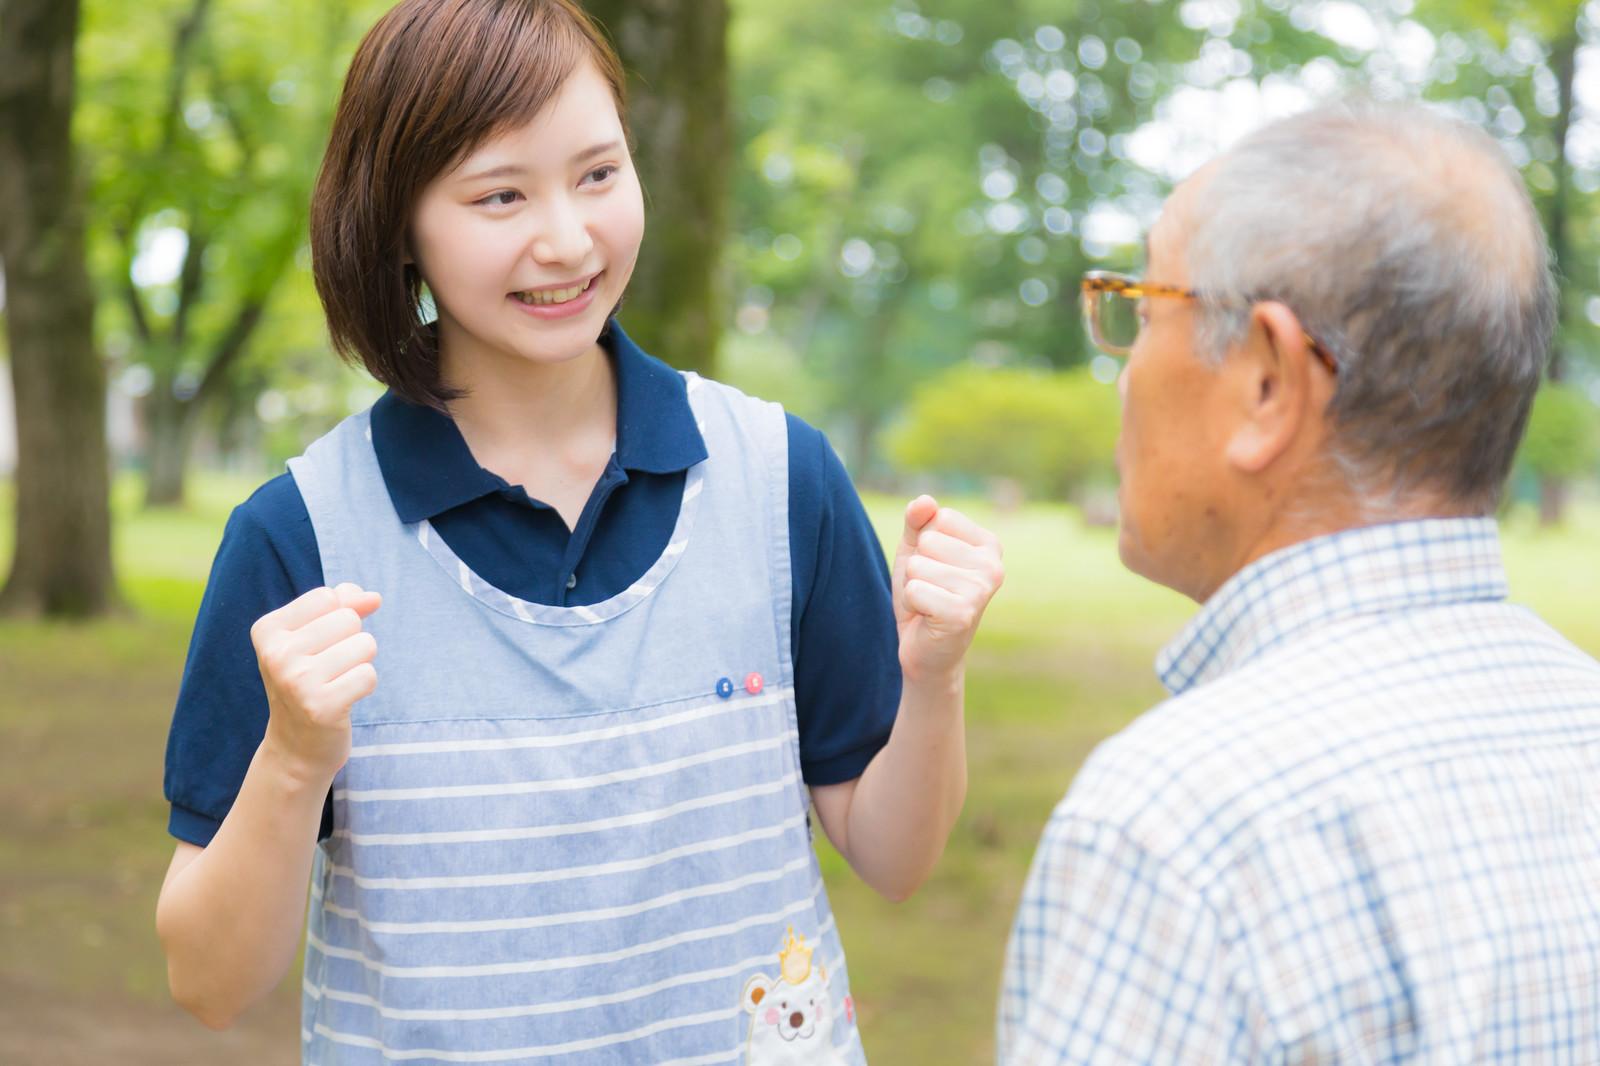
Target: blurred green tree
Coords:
[(925, 185), (205, 125), (929, 183), (1518, 80)]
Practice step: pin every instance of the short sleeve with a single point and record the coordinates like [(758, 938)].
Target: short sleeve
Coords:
[(846, 648), (1114, 958), (268, 557)]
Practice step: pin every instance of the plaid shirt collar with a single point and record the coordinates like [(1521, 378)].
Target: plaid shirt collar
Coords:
[(1370, 570)]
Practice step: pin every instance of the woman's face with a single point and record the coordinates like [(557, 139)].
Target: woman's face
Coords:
[(528, 244)]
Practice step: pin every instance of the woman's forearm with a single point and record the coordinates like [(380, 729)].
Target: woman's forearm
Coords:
[(903, 807), (230, 915)]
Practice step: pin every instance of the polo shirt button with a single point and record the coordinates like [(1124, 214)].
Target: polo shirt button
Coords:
[(753, 684), (724, 688), (572, 582)]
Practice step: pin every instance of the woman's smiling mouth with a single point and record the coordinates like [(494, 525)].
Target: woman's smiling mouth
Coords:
[(557, 302)]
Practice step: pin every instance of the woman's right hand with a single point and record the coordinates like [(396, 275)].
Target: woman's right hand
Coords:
[(316, 662)]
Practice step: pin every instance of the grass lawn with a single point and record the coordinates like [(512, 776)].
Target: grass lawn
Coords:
[(1064, 660)]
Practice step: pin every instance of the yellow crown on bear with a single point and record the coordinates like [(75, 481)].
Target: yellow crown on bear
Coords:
[(794, 958)]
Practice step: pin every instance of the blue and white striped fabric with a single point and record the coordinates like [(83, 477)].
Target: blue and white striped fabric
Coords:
[(556, 841), (1364, 829)]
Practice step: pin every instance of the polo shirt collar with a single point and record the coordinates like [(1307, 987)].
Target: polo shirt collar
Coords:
[(429, 469), (1370, 570), (657, 432)]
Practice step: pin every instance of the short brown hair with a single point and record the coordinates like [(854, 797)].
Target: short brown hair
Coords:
[(430, 82)]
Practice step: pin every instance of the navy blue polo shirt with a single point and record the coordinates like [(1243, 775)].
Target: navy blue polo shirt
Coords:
[(847, 673)]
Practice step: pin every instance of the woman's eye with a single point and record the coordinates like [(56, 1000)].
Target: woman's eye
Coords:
[(503, 198), (600, 174)]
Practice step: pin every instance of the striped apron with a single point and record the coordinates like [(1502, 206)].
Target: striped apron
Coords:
[(575, 834)]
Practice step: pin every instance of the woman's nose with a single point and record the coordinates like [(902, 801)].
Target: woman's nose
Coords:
[(562, 238)]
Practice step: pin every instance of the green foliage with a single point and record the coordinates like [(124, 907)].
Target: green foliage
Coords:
[(1054, 432), (1498, 21), (902, 207), (202, 124), (921, 180), (917, 184), (1563, 439)]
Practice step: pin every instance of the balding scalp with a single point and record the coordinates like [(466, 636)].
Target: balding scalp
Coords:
[(1406, 243)]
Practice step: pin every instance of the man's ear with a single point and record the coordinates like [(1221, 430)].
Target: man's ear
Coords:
[(1273, 389)]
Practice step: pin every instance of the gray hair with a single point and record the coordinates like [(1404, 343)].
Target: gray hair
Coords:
[(1405, 242)]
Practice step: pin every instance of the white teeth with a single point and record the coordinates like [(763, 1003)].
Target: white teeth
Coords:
[(551, 296)]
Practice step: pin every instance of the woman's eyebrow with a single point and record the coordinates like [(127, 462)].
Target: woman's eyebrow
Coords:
[(507, 170), (504, 170), (599, 149)]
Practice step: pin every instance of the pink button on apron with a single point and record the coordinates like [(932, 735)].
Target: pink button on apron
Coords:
[(753, 684)]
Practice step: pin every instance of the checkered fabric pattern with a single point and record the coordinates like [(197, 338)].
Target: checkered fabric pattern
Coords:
[(1364, 829)]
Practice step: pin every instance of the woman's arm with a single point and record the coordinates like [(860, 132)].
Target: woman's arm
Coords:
[(892, 822), (229, 915)]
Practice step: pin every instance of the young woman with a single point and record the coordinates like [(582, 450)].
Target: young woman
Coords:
[(630, 625)]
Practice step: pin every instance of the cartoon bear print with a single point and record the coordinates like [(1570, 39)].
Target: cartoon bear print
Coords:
[(791, 1021)]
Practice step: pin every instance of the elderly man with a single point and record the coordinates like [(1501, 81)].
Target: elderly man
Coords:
[(1366, 826)]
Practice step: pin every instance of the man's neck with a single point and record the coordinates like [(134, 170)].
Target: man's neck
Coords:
[(1301, 520)]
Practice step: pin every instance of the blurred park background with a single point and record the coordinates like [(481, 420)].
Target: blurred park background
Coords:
[(874, 211)]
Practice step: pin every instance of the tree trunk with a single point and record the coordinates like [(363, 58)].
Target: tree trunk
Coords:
[(676, 55), (172, 419), (1552, 501), (63, 544), (168, 421), (869, 370)]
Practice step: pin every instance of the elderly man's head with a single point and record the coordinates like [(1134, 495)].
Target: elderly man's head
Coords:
[(1373, 315)]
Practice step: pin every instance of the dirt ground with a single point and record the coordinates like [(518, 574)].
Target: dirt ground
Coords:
[(83, 846), (39, 1029)]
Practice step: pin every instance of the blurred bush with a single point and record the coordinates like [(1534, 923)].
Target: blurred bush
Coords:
[(1563, 439), (1051, 432)]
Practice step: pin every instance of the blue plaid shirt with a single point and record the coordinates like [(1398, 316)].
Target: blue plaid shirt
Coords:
[(1365, 828)]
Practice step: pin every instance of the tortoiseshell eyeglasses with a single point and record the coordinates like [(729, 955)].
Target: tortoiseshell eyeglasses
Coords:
[(1111, 312)]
